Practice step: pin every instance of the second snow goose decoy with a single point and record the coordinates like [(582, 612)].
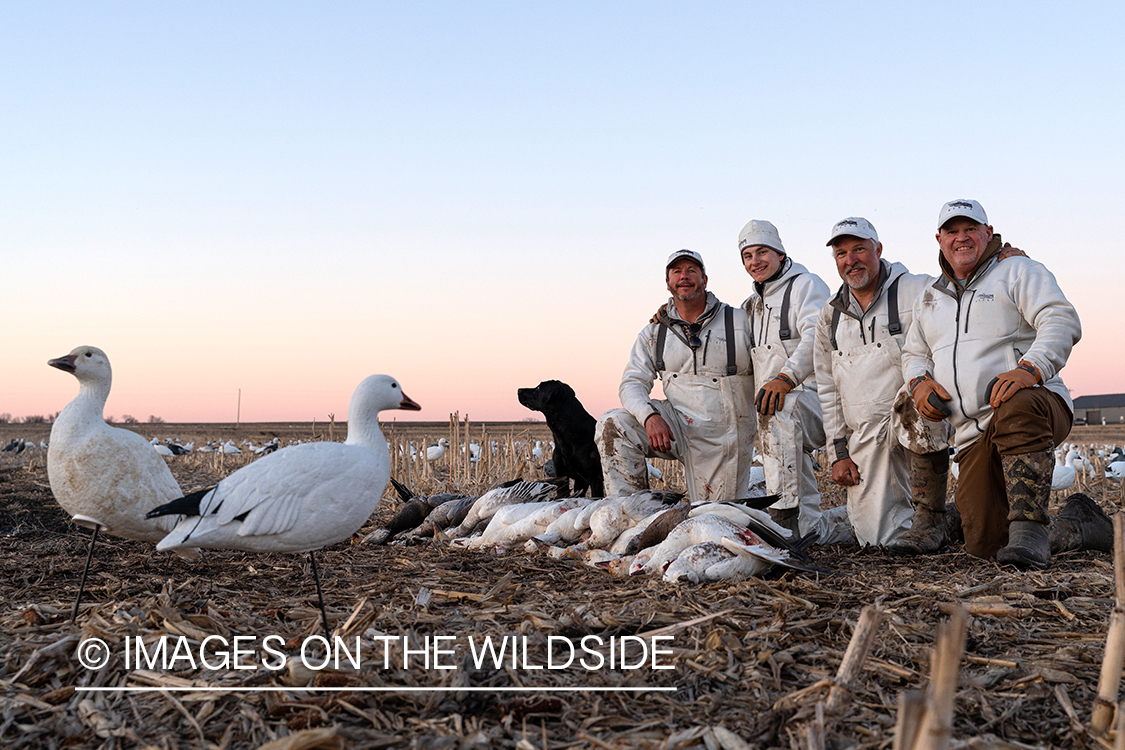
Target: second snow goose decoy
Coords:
[(299, 498)]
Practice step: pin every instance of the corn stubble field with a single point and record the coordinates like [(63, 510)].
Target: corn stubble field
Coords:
[(754, 660)]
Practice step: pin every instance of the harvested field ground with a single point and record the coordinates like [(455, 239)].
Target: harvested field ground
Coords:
[(749, 657)]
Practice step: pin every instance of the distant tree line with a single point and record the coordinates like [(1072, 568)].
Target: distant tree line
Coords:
[(6, 418)]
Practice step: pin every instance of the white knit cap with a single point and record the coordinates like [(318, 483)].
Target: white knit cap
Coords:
[(853, 226), (759, 232), (970, 209)]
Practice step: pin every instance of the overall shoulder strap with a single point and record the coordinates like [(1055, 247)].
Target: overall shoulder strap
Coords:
[(894, 326), (732, 364), (661, 334), (785, 332)]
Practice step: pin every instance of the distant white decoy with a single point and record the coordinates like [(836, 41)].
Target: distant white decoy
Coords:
[(105, 477), (299, 498), (1063, 476), (434, 452), (268, 448), (537, 451), (230, 448), (653, 472), (161, 448)]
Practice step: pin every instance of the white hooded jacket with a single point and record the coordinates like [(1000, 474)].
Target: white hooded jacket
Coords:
[(844, 411), (1007, 312), (807, 297)]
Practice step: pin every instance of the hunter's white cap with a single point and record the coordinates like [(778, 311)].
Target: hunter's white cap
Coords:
[(691, 254), (853, 226), (970, 209)]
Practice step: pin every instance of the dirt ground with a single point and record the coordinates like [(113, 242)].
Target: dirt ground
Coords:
[(750, 659)]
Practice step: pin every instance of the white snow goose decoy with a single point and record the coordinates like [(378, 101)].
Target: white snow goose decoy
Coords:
[(434, 452), (301, 497), (105, 477)]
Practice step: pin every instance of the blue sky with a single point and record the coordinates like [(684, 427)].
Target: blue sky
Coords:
[(285, 197)]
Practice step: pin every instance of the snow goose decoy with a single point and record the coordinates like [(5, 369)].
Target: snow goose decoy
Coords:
[(300, 498), (104, 476), (1064, 473), (434, 452)]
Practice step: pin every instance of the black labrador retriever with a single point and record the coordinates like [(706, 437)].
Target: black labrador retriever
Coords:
[(576, 456)]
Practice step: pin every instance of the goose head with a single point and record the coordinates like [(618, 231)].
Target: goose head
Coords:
[(89, 364), (375, 394)]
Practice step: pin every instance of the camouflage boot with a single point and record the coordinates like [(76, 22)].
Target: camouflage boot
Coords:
[(787, 518), (1081, 524), (929, 480), (1027, 477)]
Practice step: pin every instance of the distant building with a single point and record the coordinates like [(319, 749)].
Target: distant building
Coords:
[(1107, 409)]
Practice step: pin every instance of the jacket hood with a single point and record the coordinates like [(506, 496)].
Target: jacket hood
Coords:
[(888, 272), (992, 250)]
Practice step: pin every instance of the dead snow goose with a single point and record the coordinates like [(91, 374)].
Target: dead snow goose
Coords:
[(509, 493), (299, 498)]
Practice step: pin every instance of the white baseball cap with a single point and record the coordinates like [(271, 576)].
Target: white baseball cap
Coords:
[(962, 207), (690, 254), (853, 226), (759, 232)]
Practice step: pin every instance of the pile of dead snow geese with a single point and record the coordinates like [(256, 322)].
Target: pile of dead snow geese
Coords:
[(651, 531)]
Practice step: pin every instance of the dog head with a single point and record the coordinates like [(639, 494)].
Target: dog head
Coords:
[(543, 395)]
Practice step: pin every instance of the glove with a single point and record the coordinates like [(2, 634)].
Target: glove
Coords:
[(1004, 386), (771, 397), (845, 472), (928, 397)]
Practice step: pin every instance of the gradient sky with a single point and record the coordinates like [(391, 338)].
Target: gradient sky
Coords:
[(284, 197)]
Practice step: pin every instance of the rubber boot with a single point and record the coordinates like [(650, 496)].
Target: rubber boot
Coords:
[(929, 482), (1027, 477), (953, 530), (787, 518), (1081, 524)]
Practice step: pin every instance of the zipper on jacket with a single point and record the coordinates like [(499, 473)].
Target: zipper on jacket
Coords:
[(762, 335), (968, 308), (706, 343), (956, 342), (872, 329)]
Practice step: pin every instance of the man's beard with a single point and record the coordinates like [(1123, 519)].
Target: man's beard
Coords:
[(861, 282), (681, 297)]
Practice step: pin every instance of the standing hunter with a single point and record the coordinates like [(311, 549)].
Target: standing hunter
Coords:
[(699, 348), (782, 311), (984, 352)]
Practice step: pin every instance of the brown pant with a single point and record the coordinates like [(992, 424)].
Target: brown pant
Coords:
[(1032, 420)]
